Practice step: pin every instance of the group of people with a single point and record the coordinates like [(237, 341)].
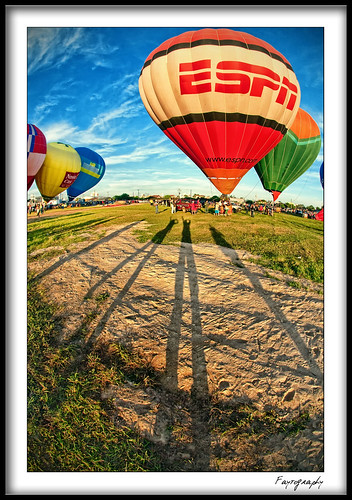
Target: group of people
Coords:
[(223, 208), (35, 207)]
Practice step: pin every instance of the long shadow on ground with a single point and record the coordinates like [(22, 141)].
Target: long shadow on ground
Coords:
[(275, 308), (199, 403)]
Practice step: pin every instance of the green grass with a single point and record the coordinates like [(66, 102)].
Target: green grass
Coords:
[(283, 242), (70, 427), (247, 421)]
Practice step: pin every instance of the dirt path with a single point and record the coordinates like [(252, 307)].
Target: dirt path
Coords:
[(225, 334)]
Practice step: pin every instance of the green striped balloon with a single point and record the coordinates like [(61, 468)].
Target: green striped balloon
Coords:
[(292, 156)]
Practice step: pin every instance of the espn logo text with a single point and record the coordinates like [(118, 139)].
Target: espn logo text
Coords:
[(235, 77)]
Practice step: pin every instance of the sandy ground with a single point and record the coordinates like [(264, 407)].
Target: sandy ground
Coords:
[(222, 331)]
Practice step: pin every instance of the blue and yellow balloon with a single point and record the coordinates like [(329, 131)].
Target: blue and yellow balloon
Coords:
[(92, 171), (321, 174), (59, 170)]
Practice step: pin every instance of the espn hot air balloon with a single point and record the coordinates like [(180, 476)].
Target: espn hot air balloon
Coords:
[(36, 151), (294, 154), (60, 169), (92, 170), (224, 97)]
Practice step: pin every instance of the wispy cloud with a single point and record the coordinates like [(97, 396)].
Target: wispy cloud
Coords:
[(52, 47), (66, 132), (143, 153), (127, 109)]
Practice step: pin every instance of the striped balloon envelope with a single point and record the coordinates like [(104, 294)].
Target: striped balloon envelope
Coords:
[(60, 169), (321, 175), (36, 151), (92, 171), (292, 156), (224, 97)]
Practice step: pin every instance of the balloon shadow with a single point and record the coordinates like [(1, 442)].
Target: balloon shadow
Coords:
[(86, 249), (274, 307), (152, 245)]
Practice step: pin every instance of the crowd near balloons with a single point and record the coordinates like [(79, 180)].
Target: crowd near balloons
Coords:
[(228, 100)]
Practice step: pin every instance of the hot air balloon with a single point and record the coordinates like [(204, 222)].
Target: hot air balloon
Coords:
[(320, 214), (224, 97), (294, 154), (60, 169), (92, 170), (36, 151), (321, 175)]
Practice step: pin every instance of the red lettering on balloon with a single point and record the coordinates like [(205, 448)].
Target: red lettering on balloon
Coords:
[(242, 87), (195, 81), (188, 82)]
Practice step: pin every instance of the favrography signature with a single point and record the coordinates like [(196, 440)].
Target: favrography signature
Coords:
[(296, 483)]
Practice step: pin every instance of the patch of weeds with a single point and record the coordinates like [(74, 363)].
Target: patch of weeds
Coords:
[(99, 299), (248, 421), (143, 235), (135, 368), (296, 284)]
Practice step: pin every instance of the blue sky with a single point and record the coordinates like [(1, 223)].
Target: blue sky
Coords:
[(83, 90)]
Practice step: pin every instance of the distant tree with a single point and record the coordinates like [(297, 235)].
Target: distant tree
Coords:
[(123, 196)]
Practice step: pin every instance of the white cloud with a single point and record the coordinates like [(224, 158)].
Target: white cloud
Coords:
[(142, 153), (66, 132), (51, 47), (61, 132), (127, 109)]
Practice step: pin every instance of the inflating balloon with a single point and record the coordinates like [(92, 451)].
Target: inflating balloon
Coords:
[(36, 151), (92, 170), (294, 154), (60, 169), (224, 97)]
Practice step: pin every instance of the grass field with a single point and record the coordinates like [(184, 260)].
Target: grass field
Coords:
[(69, 425), (283, 242)]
